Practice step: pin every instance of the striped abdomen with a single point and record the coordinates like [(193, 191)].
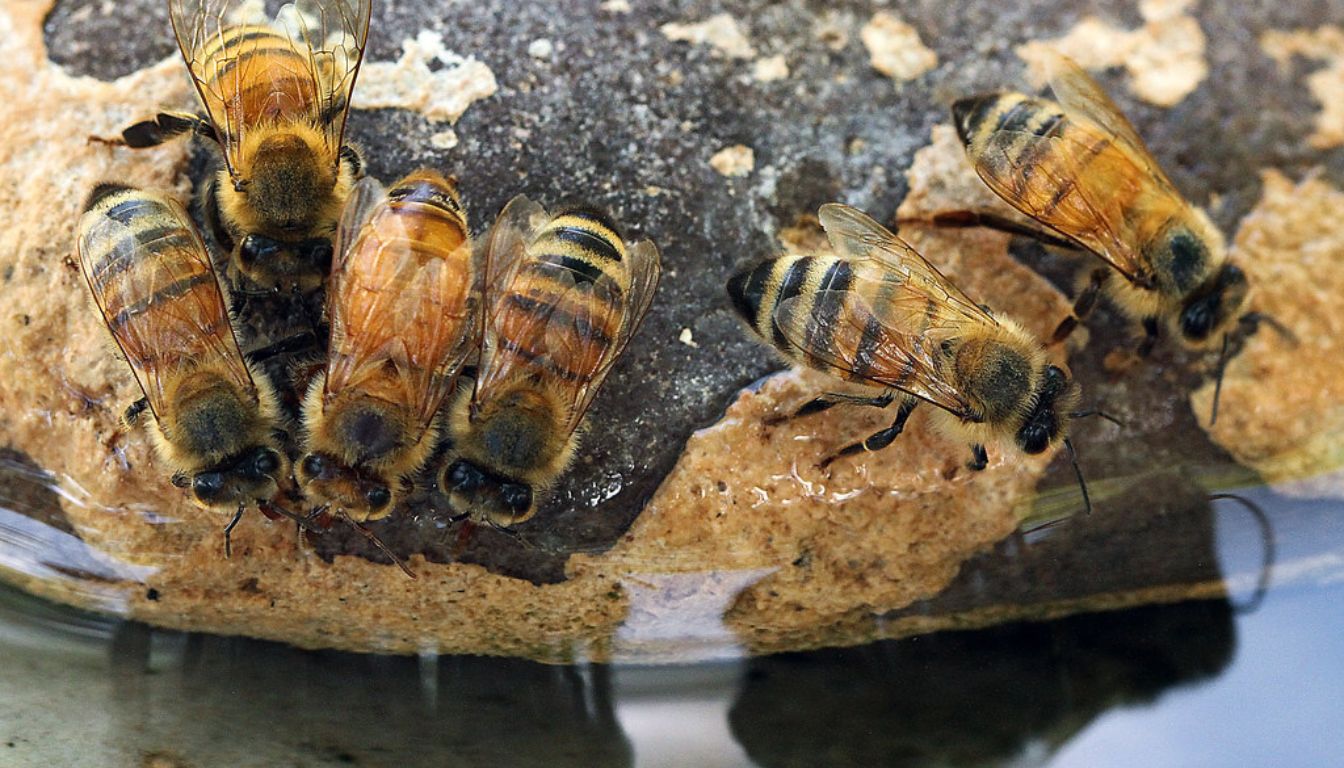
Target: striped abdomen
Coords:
[(813, 311), (151, 277), (575, 276), (403, 293), (1047, 164), (257, 76)]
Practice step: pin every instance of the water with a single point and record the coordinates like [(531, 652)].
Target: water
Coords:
[(1247, 674)]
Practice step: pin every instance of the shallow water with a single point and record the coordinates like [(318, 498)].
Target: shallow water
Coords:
[(1246, 677)]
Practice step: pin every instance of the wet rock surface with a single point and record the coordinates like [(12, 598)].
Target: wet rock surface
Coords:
[(612, 112)]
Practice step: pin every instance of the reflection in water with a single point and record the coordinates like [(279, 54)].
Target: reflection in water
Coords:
[(221, 701), (974, 698)]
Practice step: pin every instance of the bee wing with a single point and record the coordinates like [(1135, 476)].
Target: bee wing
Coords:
[(505, 247), (1082, 97), (390, 303), (188, 330), (573, 335), (364, 198), (645, 264), (1083, 181), (886, 327), (856, 236), (246, 77)]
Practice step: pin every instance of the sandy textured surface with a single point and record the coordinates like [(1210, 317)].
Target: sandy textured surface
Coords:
[(1282, 413), (1325, 47)]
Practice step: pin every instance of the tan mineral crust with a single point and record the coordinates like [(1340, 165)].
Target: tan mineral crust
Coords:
[(1324, 45), (1164, 57), (747, 544), (1281, 411)]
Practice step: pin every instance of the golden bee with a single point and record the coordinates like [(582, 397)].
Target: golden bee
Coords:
[(404, 318), (875, 314), (211, 417), (275, 99), (563, 295), (1078, 167)]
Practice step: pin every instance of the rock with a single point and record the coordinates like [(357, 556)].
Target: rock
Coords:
[(635, 557)]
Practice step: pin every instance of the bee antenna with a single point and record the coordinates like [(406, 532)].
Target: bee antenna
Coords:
[(1250, 323), (1271, 549), (1082, 484), (1218, 382), (377, 542), (1099, 413)]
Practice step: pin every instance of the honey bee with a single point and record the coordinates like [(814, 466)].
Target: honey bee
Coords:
[(874, 313), (563, 295), (212, 418), (275, 99), (404, 318), (1078, 167)]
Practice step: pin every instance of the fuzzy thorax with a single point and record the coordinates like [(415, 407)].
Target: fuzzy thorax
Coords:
[(288, 184)]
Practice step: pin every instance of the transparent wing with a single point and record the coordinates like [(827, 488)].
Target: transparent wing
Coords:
[(395, 304), (890, 346), (1083, 99), (505, 246), (572, 331), (857, 237), (1081, 188), (645, 268), (190, 329), (299, 69)]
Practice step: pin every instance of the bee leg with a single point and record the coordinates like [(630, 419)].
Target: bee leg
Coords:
[(133, 411), (1082, 306), (979, 458), (832, 399), (1150, 336), (966, 219), (160, 128), (878, 440)]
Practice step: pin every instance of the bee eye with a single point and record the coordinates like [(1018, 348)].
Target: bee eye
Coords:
[(314, 465), (255, 248), (266, 463), (462, 476), (1034, 437), (207, 485), (1197, 319), (378, 497), (517, 497)]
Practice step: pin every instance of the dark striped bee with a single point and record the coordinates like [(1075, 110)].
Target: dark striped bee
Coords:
[(212, 418), (404, 318), (563, 295), (876, 314), (1079, 168), (275, 99)]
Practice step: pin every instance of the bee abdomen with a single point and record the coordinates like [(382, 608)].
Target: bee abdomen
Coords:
[(584, 243)]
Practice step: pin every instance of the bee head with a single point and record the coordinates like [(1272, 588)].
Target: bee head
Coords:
[(1214, 306), (1048, 420), (251, 477), (328, 482), (486, 497), (288, 185)]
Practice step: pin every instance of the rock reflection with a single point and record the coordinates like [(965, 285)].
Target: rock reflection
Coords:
[(976, 698), (221, 701)]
